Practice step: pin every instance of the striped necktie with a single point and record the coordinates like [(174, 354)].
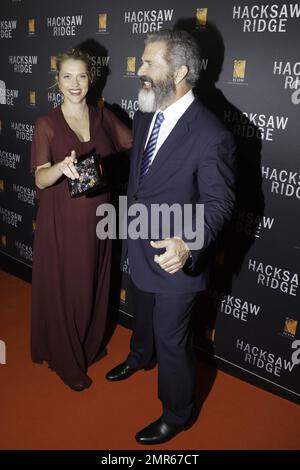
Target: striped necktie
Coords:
[(149, 150)]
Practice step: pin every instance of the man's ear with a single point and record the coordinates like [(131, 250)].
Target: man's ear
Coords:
[(180, 74)]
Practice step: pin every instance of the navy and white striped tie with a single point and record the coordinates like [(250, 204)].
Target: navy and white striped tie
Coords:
[(149, 150)]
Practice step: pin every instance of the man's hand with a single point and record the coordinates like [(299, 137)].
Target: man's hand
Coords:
[(175, 255)]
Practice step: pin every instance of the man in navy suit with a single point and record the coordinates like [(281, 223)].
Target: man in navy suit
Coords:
[(182, 155)]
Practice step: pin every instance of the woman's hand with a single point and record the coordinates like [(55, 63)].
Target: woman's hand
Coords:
[(66, 166)]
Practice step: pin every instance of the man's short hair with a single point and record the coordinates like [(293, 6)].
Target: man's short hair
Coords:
[(182, 49)]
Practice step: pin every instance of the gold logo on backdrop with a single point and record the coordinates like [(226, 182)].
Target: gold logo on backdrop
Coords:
[(201, 16), (33, 225), (0, 126), (53, 63), (100, 102), (123, 295), (1, 186), (131, 64), (210, 334), (32, 98), (239, 69), (31, 26), (290, 326), (3, 240), (102, 21)]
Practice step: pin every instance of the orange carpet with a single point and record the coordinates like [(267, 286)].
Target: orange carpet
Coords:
[(37, 411)]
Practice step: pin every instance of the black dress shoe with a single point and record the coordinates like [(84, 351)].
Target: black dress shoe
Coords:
[(78, 387), (158, 432), (121, 372)]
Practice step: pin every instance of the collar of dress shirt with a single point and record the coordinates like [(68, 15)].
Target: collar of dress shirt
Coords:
[(176, 110)]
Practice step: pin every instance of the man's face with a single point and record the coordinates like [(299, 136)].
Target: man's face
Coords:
[(157, 83)]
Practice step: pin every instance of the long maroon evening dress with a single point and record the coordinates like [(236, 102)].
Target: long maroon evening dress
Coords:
[(71, 266)]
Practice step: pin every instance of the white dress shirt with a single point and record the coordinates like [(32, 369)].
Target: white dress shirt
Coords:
[(172, 114)]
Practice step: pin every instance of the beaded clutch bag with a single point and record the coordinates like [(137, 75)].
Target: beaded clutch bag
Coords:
[(91, 176)]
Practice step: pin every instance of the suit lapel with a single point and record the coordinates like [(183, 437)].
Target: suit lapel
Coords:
[(174, 140)]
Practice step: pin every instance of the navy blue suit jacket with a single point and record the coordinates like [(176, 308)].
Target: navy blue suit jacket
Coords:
[(194, 165)]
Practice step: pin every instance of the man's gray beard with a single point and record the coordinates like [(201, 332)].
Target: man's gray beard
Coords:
[(154, 99), (147, 101)]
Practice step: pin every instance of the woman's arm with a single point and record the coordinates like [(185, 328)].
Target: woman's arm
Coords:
[(46, 175)]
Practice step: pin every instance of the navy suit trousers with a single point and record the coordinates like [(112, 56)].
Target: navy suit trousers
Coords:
[(161, 332)]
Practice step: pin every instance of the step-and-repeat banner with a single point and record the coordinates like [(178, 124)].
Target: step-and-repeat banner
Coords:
[(248, 321)]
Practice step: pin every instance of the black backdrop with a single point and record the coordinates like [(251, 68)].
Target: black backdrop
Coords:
[(248, 321)]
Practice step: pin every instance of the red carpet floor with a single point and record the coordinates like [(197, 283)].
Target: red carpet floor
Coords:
[(37, 411)]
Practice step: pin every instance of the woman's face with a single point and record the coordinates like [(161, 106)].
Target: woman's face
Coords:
[(73, 80)]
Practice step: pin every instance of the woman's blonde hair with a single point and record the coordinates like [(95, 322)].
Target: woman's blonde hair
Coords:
[(75, 54)]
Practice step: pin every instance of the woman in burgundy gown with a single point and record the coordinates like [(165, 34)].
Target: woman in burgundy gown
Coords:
[(71, 266)]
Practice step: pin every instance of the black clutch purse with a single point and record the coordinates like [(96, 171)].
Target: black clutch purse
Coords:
[(92, 178)]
